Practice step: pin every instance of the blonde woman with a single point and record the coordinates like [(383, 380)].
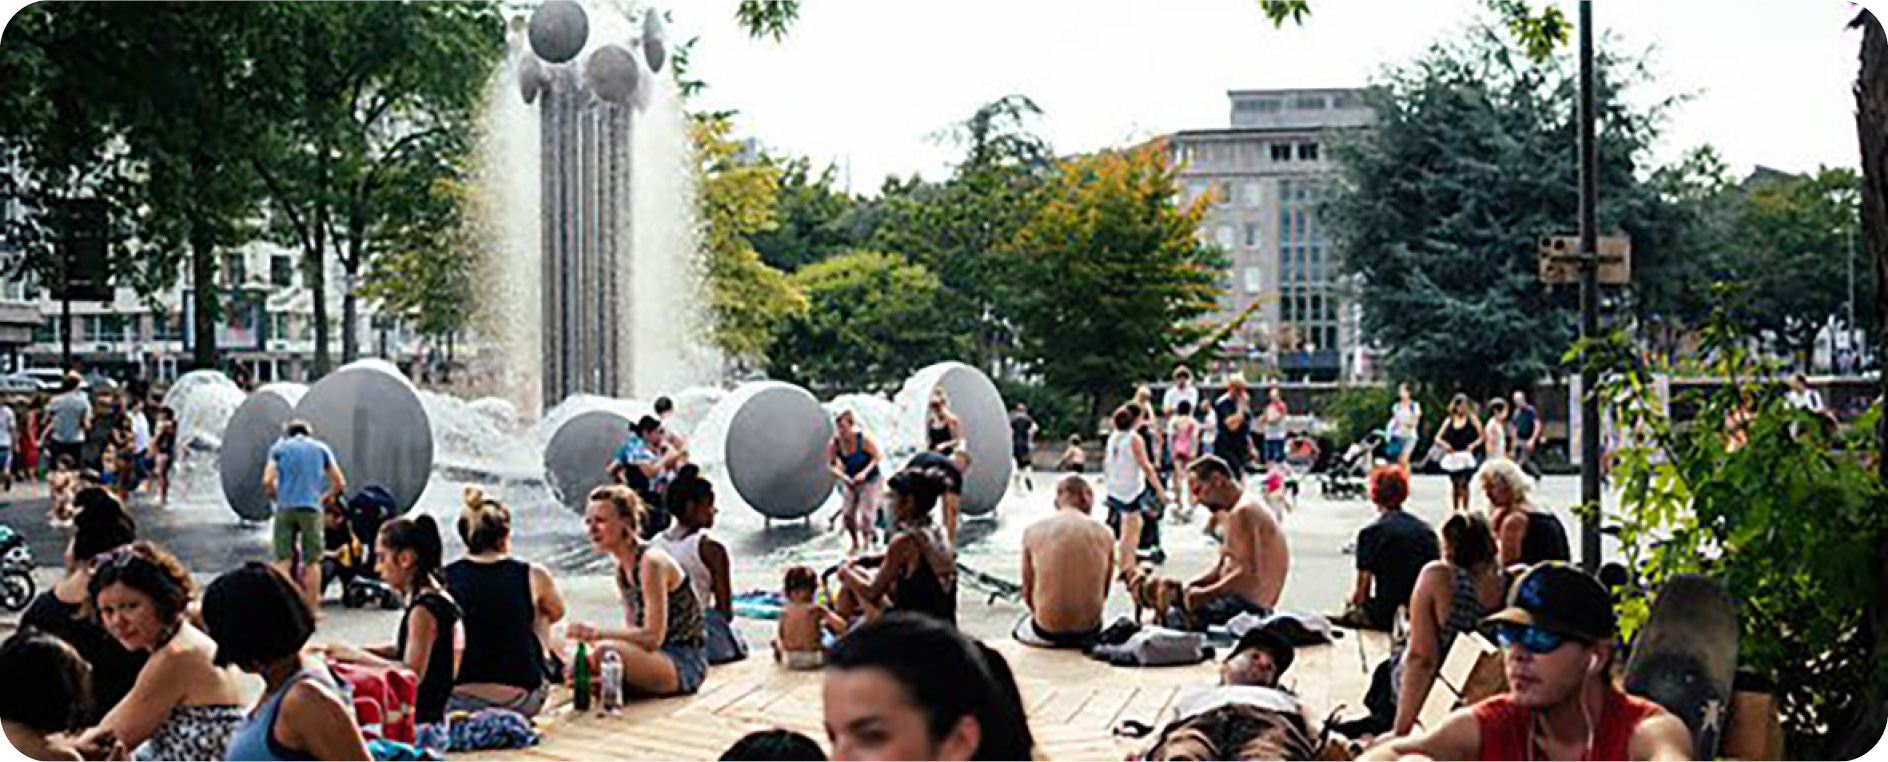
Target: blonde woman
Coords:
[(1523, 533)]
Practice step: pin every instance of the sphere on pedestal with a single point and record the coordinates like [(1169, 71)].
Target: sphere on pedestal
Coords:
[(655, 45), (559, 29), (372, 418), (613, 74), (252, 430), (578, 455), (772, 437), (531, 78), (982, 421)]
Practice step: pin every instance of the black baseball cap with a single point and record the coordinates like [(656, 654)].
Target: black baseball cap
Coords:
[(1274, 643), (1561, 599)]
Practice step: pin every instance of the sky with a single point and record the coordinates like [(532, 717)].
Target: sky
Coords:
[(870, 85)]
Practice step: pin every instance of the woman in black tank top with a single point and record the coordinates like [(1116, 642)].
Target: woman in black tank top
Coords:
[(1523, 535), (941, 433), (508, 606), (918, 572)]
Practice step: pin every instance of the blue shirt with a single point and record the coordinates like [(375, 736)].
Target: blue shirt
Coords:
[(301, 467), (635, 452)]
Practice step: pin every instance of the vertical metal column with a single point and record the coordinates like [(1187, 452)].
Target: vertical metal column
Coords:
[(1589, 298)]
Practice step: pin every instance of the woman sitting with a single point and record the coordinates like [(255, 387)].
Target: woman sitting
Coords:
[(919, 569), (101, 526), (36, 721), (509, 608), (662, 647), (260, 623), (911, 687), (691, 500), (184, 705), (407, 554)]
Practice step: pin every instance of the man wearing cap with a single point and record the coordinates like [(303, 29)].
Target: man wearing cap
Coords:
[(1557, 632), (1246, 716)]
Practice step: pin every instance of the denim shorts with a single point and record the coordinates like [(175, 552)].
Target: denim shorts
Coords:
[(691, 666)]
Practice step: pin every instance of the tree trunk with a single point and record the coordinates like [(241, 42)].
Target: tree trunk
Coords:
[(350, 267), (317, 271), (1871, 126), (203, 352)]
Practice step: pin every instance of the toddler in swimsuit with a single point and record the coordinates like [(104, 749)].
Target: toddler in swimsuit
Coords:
[(806, 628)]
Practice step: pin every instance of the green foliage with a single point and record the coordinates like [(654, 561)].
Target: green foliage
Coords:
[(747, 299), (1794, 242), (1277, 11), (813, 215), (767, 18), (1116, 276), (1057, 414), (1690, 502), (872, 319), (1441, 204), (427, 273), (1539, 34)]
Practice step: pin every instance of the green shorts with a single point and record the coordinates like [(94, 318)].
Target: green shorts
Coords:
[(305, 522)]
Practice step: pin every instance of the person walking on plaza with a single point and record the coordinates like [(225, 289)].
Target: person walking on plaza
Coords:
[(1495, 432), (300, 475), (1527, 433), (1274, 427), (1130, 478), (1557, 635), (1182, 391), (68, 421), (1022, 442), (1232, 438), (1406, 420), (9, 426), (1183, 442), (1458, 437), (26, 441)]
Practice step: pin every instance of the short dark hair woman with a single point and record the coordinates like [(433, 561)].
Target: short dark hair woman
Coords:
[(57, 703), (260, 623), (509, 607), (691, 502), (912, 687)]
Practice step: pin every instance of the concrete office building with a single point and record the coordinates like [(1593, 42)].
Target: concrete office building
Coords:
[(1265, 175)]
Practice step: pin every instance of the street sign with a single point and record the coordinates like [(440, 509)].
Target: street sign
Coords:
[(1560, 260)]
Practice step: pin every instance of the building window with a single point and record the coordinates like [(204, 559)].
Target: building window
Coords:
[(169, 327), (1224, 237), (1252, 235), (1307, 152), (1252, 280), (47, 331), (1281, 152), (1222, 192), (281, 270), (235, 269), (1308, 103), (1249, 193)]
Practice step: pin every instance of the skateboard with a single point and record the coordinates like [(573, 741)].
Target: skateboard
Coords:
[(1685, 656)]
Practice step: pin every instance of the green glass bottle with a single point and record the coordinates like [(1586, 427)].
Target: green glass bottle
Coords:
[(580, 680)]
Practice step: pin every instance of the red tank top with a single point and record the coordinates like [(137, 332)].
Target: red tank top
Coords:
[(1505, 727)]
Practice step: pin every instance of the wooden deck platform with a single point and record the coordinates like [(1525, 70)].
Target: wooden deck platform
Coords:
[(1074, 703)]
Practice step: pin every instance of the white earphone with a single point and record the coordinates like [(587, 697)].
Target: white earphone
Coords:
[(1593, 664)]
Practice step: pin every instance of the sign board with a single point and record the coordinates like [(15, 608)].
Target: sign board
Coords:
[(82, 230), (1560, 260)]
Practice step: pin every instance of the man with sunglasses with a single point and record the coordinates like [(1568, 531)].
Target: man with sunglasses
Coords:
[(1557, 634)]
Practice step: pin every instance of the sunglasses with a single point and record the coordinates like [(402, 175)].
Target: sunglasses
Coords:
[(1534, 640)]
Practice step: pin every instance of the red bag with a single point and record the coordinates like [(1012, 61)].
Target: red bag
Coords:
[(383, 698)]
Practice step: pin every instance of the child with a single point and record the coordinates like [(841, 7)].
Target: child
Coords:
[(344, 554), (64, 483), (1182, 437), (1275, 488), (805, 627), (1074, 459)]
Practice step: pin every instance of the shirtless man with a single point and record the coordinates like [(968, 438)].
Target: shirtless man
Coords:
[(1066, 604), (1252, 564)]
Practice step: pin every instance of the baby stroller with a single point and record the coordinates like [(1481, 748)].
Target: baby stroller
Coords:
[(1344, 478), (350, 549), (16, 570)]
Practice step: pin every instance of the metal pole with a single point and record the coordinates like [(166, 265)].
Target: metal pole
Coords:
[(1589, 299)]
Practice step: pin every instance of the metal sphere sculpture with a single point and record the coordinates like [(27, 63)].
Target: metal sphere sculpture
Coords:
[(252, 430)]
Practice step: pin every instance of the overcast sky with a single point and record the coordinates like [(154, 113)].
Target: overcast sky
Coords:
[(867, 84)]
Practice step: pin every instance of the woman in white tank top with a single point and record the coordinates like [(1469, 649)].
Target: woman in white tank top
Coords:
[(691, 500)]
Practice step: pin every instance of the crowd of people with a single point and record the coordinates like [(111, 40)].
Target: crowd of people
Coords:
[(139, 662)]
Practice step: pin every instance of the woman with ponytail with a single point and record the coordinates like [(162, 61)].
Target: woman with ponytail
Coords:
[(691, 501), (509, 607), (407, 555)]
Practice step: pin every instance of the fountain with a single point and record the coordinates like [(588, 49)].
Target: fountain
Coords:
[(768, 441), (982, 421), (252, 430), (371, 416)]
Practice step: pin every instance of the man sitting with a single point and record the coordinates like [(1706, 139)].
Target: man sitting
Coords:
[(1068, 560), (1250, 572), (1558, 635)]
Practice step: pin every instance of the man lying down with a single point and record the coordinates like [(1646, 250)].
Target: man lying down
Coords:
[(1246, 716)]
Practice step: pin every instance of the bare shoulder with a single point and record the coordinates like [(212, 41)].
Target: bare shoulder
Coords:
[(1661, 736)]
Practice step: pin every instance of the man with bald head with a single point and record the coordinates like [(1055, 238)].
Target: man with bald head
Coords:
[(1068, 561)]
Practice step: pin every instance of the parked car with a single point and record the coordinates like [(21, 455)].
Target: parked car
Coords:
[(49, 379), (19, 383)]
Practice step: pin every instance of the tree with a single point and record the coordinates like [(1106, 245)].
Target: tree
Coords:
[(747, 299), (427, 273), (383, 99), (1793, 243), (1116, 277), (153, 112), (1441, 204), (813, 218), (1671, 293), (872, 319)]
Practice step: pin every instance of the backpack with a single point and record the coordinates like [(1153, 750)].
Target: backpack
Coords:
[(383, 698)]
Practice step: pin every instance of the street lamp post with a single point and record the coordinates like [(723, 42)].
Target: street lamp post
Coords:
[(1589, 300)]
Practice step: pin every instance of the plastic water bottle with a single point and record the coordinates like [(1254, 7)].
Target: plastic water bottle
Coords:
[(612, 677)]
